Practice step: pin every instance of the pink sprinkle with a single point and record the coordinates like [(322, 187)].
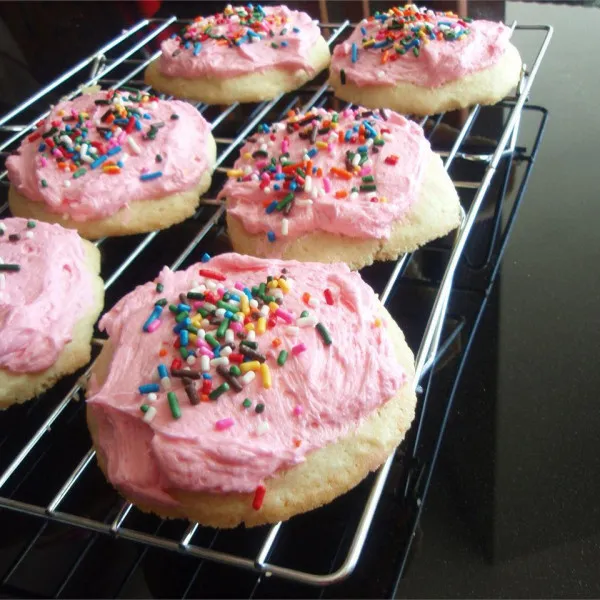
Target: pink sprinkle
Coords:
[(205, 352), (144, 169), (285, 145), (286, 316), (261, 164), (196, 304), (43, 161), (347, 113), (298, 349), (327, 184), (365, 171), (278, 168), (236, 326), (57, 152), (265, 177), (330, 147), (221, 290), (223, 424), (298, 410), (73, 113), (200, 343), (238, 284), (154, 325)]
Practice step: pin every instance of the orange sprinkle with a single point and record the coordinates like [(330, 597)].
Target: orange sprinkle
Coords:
[(385, 56), (163, 352), (341, 194), (291, 113), (319, 172), (267, 202), (361, 139), (305, 297), (72, 167), (340, 137), (62, 165), (111, 169), (341, 172), (204, 398), (297, 442), (110, 118), (276, 342)]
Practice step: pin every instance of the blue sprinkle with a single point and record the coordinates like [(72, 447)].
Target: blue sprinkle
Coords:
[(184, 307), (120, 163), (107, 135), (205, 257), (382, 44), (68, 128), (197, 48), (293, 186), (162, 371), (187, 45), (296, 30), (276, 187), (183, 325), (253, 34), (283, 44), (248, 293), (234, 297), (363, 31), (150, 176), (114, 150), (354, 52), (192, 353), (347, 135), (217, 352), (121, 121), (362, 149), (279, 176), (138, 125), (184, 337), (228, 314), (241, 41), (149, 388), (370, 129), (155, 314), (41, 147), (271, 236), (271, 207), (206, 376), (98, 161), (312, 152), (315, 170)]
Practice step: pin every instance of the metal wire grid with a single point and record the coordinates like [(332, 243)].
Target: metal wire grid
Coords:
[(100, 69)]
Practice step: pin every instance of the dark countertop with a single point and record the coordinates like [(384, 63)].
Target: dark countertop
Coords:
[(513, 507)]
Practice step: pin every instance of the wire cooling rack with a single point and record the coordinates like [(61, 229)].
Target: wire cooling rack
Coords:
[(122, 62)]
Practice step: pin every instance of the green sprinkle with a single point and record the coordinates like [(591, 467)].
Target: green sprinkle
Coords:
[(379, 142), (161, 302), (253, 345), (368, 179), (229, 307), (235, 370), (192, 329), (334, 118), (144, 408), (184, 352), (260, 408), (416, 51), (174, 117), (31, 224), (324, 333), (204, 312), (158, 158), (274, 45), (282, 358), (79, 173), (182, 316), (44, 183), (370, 187), (222, 328), (283, 203), (174, 405), (195, 296), (159, 287), (173, 308), (247, 403), (304, 313), (262, 288), (211, 340), (224, 387)]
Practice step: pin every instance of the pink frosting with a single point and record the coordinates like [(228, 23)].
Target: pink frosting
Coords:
[(320, 394), (179, 151), (439, 61), (217, 59), (40, 304), (357, 214)]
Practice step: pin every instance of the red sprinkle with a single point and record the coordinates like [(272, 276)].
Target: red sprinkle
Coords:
[(236, 357), (206, 386), (392, 159), (328, 296), (176, 364), (212, 274), (259, 496)]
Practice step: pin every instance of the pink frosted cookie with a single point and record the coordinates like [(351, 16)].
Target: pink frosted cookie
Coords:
[(246, 390), (417, 61), (113, 163), (354, 186), (50, 298), (244, 54)]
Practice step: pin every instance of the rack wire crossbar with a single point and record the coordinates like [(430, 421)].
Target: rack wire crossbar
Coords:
[(426, 355)]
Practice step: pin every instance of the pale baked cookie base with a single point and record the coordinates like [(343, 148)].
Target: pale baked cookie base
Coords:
[(434, 214), (254, 87), (326, 473), (16, 388), (141, 216), (488, 86)]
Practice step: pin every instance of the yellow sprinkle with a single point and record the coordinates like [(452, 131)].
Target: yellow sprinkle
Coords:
[(283, 284), (273, 306), (252, 365), (321, 144), (261, 325), (334, 125), (249, 326), (266, 375), (235, 173), (247, 155), (244, 304), (383, 199), (193, 338), (197, 321), (272, 284), (377, 323)]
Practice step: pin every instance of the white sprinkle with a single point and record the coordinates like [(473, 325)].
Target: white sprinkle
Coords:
[(356, 160), (263, 147), (152, 397), (166, 383), (29, 235), (65, 139), (67, 183), (309, 321), (204, 363), (308, 184), (247, 170), (211, 285), (277, 292), (303, 202), (83, 149), (253, 303), (262, 428), (201, 333), (290, 282), (267, 190), (379, 74), (251, 336), (222, 360), (229, 336), (314, 193), (205, 324), (313, 302), (292, 330), (199, 289), (387, 137), (220, 312), (87, 159), (369, 142), (254, 177), (2, 227), (208, 306), (353, 195), (284, 226), (133, 145), (248, 377), (191, 360), (149, 414), (226, 351)]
